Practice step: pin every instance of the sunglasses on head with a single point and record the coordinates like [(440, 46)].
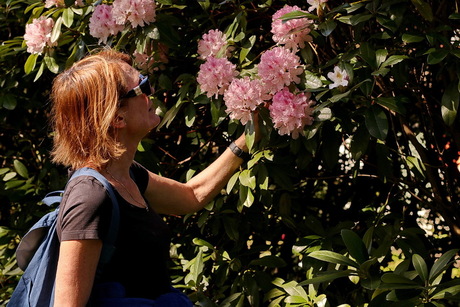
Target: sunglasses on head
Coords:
[(144, 87)]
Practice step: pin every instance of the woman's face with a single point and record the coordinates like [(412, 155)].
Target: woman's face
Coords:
[(139, 111)]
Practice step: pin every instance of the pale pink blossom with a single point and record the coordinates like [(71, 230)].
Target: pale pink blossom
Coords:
[(102, 24), (278, 68), (339, 77), (214, 44), (38, 34), (61, 3), (292, 33), (215, 76), (242, 98), (137, 12), (315, 4), (291, 113)]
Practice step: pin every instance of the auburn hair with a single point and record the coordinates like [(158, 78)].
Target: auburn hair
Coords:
[(85, 99)]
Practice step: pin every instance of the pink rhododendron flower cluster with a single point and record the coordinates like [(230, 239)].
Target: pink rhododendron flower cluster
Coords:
[(339, 77), (292, 33), (60, 3), (278, 68), (315, 4), (137, 12), (291, 113), (277, 71), (214, 44), (102, 24), (242, 98), (38, 34), (215, 75)]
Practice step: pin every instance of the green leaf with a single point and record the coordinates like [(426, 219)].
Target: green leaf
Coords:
[(297, 15), (270, 261), (246, 48), (446, 293), (30, 63), (327, 27), (21, 169), (190, 115), (437, 56), (67, 17), (411, 38), (392, 60), (171, 114), (247, 179), (391, 278), (392, 104), (441, 264), (424, 9), (367, 238), (201, 242), (232, 181), (312, 81), (327, 276), (333, 257), (359, 142), (416, 166), (381, 56), (420, 266), (377, 122), (450, 102), (9, 176), (250, 133), (355, 245), (8, 101), (56, 30), (368, 55), (51, 63), (359, 18)]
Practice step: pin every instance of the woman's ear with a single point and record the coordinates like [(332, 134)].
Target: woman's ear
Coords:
[(119, 121)]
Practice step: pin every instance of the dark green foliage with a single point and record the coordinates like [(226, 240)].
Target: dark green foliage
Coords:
[(328, 219)]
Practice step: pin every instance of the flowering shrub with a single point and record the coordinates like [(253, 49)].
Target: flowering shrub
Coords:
[(102, 23), (290, 112), (137, 12), (213, 44), (242, 98), (357, 107), (215, 75), (38, 34), (294, 33)]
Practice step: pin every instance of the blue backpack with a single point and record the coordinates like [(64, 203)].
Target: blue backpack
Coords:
[(38, 252)]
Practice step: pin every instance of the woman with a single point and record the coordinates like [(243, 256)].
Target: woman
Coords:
[(101, 111)]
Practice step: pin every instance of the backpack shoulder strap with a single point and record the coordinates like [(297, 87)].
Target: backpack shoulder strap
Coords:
[(109, 242)]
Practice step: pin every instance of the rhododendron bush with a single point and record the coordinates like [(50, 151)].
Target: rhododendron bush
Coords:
[(351, 194)]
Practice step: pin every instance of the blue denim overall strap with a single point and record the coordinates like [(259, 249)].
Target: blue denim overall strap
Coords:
[(112, 294)]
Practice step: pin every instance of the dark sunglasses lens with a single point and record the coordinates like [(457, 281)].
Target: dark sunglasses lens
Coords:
[(145, 87)]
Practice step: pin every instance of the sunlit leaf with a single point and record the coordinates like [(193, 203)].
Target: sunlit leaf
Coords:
[(21, 169), (30, 63), (333, 257), (420, 266), (450, 102), (441, 264), (446, 293), (56, 30)]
